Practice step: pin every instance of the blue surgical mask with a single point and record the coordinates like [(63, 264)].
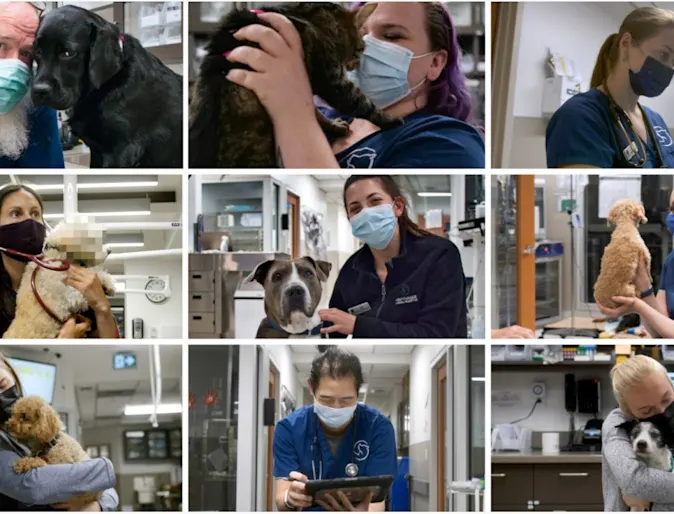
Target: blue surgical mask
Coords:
[(652, 79), (15, 78), (670, 223), (382, 72), (375, 226), (334, 418)]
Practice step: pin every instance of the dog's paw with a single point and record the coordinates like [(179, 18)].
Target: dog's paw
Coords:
[(384, 121), (27, 463), (335, 128)]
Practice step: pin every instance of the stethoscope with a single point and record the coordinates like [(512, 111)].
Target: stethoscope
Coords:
[(351, 468), (633, 149)]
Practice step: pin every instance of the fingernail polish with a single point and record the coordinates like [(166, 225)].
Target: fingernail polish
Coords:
[(226, 54), (257, 11)]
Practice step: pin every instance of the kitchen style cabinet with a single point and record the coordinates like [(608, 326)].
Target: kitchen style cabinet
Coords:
[(547, 487)]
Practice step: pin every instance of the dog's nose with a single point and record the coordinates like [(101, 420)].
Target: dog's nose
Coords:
[(642, 446), (41, 91), (295, 291)]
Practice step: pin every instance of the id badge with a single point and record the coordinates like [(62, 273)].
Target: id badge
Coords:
[(359, 309)]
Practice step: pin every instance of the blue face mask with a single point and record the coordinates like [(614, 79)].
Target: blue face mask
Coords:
[(382, 72), (670, 223), (334, 418), (652, 79), (375, 226), (15, 78)]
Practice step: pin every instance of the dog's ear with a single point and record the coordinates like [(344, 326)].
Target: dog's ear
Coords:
[(322, 268), (105, 56), (642, 214), (259, 274), (628, 425)]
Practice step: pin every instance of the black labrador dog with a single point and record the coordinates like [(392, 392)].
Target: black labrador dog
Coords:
[(121, 100)]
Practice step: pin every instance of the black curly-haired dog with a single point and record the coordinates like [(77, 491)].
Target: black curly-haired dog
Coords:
[(122, 101), (229, 127)]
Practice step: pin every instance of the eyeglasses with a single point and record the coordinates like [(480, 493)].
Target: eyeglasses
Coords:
[(40, 7)]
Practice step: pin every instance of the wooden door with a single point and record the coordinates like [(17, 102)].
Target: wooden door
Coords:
[(273, 380), (441, 424), (294, 224), (495, 9), (525, 235)]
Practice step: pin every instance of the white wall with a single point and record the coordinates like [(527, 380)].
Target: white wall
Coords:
[(166, 318), (306, 187), (551, 414), (282, 357), (577, 30), (420, 392)]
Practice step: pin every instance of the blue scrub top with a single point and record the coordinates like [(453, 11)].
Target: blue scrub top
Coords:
[(425, 140), (667, 283), (44, 145), (372, 448), (584, 132)]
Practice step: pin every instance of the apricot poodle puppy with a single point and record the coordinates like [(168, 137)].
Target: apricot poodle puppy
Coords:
[(36, 423), (622, 255)]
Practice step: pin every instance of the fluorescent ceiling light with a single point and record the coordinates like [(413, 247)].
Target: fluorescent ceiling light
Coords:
[(431, 194), (102, 185), (125, 245), (101, 214), (146, 410), (477, 379)]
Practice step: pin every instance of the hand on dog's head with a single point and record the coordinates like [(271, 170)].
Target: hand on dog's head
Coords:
[(33, 419)]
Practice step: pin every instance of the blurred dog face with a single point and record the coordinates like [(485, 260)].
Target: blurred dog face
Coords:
[(627, 211), (79, 242), (34, 419), (76, 51)]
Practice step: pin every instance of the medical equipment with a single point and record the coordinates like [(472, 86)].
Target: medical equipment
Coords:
[(351, 468), (355, 489), (634, 153), (472, 232), (137, 328), (549, 267)]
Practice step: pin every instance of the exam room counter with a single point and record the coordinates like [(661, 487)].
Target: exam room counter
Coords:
[(568, 481)]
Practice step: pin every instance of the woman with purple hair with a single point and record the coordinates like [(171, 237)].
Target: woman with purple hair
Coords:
[(411, 67)]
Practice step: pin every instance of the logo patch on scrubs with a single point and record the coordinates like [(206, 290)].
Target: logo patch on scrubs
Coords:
[(403, 300), (664, 138), (361, 450), (361, 158)]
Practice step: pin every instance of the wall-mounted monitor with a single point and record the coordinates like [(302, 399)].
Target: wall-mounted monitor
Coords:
[(37, 378)]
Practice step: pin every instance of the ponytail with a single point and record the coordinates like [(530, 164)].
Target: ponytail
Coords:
[(608, 55)]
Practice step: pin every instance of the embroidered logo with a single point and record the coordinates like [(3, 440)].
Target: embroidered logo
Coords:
[(664, 138), (361, 450), (361, 158)]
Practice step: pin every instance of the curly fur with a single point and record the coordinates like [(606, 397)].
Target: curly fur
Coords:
[(65, 243), (229, 127), (35, 422), (622, 255)]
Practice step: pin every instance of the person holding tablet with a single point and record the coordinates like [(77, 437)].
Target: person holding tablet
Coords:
[(336, 437)]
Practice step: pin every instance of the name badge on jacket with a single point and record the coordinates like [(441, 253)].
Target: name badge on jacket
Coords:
[(359, 309)]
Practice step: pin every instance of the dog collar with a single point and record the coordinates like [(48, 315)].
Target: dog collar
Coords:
[(45, 450), (313, 332)]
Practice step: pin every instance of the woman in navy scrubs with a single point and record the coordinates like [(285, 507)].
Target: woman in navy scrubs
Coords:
[(336, 437), (607, 127), (656, 311), (404, 282), (411, 67)]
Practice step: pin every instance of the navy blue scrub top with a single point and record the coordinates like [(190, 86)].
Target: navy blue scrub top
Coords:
[(425, 140), (372, 448), (584, 132), (44, 145), (667, 283)]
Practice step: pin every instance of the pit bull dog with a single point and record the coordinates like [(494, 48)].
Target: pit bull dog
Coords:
[(292, 292)]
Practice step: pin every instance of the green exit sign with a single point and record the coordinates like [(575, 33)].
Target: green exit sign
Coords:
[(124, 361)]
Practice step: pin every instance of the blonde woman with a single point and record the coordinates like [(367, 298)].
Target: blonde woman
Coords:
[(643, 389)]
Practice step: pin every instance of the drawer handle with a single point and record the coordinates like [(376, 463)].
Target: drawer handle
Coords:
[(196, 297), (196, 276), (498, 475), (574, 474), (196, 317)]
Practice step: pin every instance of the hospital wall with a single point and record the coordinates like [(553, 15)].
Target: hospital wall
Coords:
[(576, 30)]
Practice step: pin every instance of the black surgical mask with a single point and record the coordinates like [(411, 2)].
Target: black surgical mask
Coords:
[(25, 236), (7, 400)]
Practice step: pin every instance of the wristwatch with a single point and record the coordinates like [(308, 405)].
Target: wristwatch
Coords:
[(647, 292)]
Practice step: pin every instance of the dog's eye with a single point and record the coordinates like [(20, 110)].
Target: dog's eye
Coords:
[(68, 54), (276, 277), (308, 273)]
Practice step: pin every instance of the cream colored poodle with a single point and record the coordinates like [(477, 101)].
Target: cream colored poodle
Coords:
[(78, 242), (35, 422), (622, 254)]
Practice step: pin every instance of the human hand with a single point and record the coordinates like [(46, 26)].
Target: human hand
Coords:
[(87, 282), (636, 502), (279, 77), (75, 328), (344, 323), (627, 305), (642, 279), (342, 503), (296, 495), (513, 332), (89, 507)]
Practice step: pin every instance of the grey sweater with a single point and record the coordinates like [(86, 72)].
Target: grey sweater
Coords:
[(622, 472), (55, 483)]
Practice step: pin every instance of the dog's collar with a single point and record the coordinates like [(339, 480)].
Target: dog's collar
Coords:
[(46, 448), (316, 331), (121, 42)]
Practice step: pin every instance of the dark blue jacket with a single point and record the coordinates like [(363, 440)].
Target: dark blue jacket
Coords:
[(44, 146), (424, 295)]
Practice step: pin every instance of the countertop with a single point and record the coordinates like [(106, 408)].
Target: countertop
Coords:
[(537, 457)]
